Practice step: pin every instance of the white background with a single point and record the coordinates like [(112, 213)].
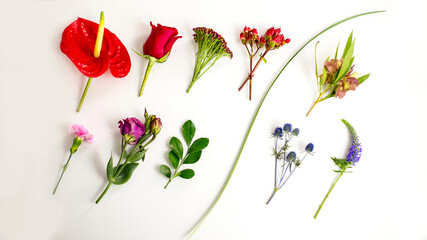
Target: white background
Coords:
[(384, 198)]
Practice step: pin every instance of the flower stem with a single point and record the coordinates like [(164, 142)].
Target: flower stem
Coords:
[(168, 183), (317, 101), (151, 62), (82, 99), (272, 195), (115, 174), (63, 170), (257, 111), (251, 74), (327, 195)]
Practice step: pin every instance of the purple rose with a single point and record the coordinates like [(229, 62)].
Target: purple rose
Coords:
[(131, 129)]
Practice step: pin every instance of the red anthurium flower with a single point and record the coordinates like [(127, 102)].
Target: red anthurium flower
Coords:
[(158, 47), (79, 41)]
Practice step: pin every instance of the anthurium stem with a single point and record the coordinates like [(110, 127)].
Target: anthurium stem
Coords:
[(151, 62), (82, 99), (327, 195), (63, 171), (257, 111)]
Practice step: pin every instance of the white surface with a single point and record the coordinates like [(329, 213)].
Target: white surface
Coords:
[(39, 90)]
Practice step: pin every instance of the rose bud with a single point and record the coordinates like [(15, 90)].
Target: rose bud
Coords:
[(158, 47), (155, 125), (131, 129)]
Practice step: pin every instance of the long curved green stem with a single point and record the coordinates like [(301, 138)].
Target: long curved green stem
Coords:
[(259, 107), (327, 195)]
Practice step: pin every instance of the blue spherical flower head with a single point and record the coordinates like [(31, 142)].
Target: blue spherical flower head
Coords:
[(287, 128), (295, 132), (278, 132), (309, 148), (291, 157)]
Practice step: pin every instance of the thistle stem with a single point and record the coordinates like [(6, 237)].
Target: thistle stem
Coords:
[(327, 195), (257, 111), (272, 195), (82, 99), (63, 170), (151, 62)]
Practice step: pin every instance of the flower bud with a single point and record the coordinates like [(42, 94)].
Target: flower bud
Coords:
[(309, 148), (295, 132), (155, 125), (287, 128), (242, 38), (278, 132), (246, 30), (270, 32), (291, 156), (76, 144)]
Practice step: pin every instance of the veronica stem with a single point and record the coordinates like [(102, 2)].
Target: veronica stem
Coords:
[(327, 195), (63, 170), (82, 99)]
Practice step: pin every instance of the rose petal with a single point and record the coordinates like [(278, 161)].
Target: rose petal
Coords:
[(170, 43), (163, 35), (148, 45)]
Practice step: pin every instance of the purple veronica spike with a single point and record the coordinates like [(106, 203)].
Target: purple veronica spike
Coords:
[(355, 150)]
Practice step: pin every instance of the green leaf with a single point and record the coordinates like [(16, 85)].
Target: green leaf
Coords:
[(193, 157), (338, 161), (315, 59), (187, 173), (336, 51), (188, 130), (363, 78), (137, 156), (110, 169), (176, 146), (173, 159), (125, 174), (348, 45), (198, 145), (165, 170), (265, 60)]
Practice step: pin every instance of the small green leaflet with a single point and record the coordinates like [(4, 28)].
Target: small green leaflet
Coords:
[(198, 145), (165, 170), (187, 173), (176, 146), (188, 130), (173, 159), (125, 174)]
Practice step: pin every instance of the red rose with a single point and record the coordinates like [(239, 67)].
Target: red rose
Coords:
[(160, 41), (158, 47)]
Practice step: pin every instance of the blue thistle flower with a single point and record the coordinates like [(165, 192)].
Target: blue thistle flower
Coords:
[(287, 128), (355, 150), (309, 148), (278, 132), (295, 132), (291, 156)]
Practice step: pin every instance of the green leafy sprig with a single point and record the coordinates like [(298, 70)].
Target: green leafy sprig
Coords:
[(177, 157), (337, 76)]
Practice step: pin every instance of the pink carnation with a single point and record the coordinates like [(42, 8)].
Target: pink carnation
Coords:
[(81, 132)]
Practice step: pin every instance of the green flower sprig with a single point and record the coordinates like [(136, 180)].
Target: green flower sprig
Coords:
[(211, 46), (337, 77), (177, 157)]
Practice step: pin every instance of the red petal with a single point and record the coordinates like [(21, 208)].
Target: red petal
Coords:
[(119, 57), (148, 45), (164, 34), (78, 43), (169, 45)]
